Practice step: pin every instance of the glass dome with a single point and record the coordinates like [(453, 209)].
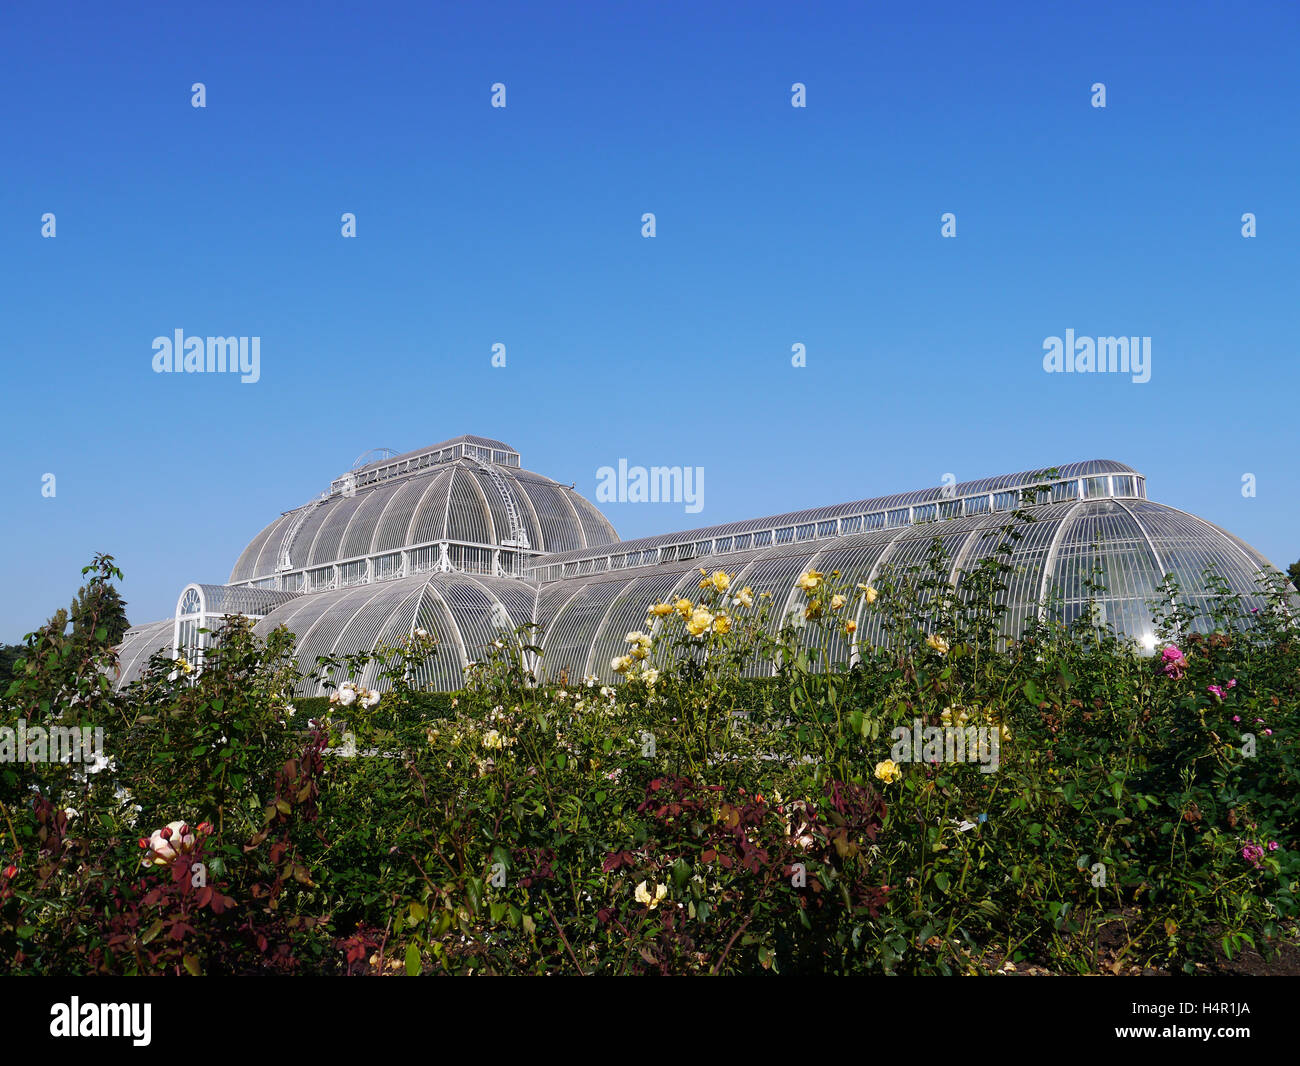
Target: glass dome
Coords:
[(418, 541)]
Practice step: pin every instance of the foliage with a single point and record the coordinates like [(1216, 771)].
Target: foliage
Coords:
[(694, 817)]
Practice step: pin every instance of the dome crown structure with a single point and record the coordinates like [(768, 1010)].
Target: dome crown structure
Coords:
[(464, 504)]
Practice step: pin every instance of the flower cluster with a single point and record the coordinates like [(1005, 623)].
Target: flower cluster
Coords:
[(421, 639), (651, 900), (495, 740), (700, 618), (349, 693), (954, 716), (888, 771), (938, 644), (165, 845), (1253, 853), (721, 581), (1219, 693), (814, 587), (1174, 663)]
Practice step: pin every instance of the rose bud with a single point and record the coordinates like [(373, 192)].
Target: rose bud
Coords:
[(185, 830), (165, 832), (10, 871)]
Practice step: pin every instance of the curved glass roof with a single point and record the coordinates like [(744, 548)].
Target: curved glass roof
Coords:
[(233, 599), (463, 612), (139, 643), (460, 500), (1132, 543), (588, 590), (999, 483)]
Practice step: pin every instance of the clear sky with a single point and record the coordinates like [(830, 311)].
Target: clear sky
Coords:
[(521, 225)]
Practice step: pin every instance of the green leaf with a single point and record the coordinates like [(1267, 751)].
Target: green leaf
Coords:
[(412, 959), (192, 966)]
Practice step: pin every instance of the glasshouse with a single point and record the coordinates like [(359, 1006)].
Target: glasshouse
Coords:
[(458, 540)]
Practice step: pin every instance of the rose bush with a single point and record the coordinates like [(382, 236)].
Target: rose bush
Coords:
[(692, 817)]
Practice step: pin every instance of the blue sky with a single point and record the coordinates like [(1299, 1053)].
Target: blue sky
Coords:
[(522, 226)]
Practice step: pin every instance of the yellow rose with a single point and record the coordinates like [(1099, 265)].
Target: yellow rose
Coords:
[(868, 593), (722, 624), (661, 609), (621, 664), (850, 627), (721, 581), (699, 622), (810, 581), (745, 597), (837, 601), (684, 607), (937, 643), (643, 895), (888, 771), (951, 716)]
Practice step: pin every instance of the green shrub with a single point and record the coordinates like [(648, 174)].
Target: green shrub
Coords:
[(1112, 808)]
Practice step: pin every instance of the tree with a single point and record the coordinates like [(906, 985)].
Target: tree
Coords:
[(98, 605), (1293, 572), (9, 654), (95, 605)]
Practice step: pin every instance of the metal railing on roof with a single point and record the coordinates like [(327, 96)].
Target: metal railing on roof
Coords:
[(966, 505)]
